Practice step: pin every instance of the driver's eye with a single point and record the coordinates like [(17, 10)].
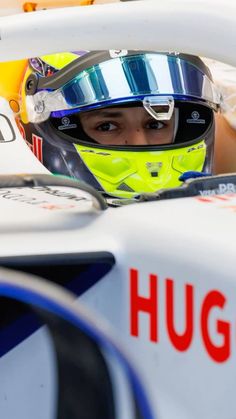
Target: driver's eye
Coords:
[(106, 126), (155, 125)]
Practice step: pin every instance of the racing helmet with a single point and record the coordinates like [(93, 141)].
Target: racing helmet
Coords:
[(169, 90)]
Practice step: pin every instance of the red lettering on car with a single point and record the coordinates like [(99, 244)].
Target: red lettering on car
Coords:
[(142, 304), (218, 353), (180, 341)]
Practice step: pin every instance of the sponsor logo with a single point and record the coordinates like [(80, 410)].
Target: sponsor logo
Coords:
[(195, 118), (114, 53), (60, 194), (100, 153), (223, 188), (19, 197), (65, 124), (192, 317), (31, 200), (195, 148)]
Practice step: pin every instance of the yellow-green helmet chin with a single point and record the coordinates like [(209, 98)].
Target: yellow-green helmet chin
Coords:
[(125, 174)]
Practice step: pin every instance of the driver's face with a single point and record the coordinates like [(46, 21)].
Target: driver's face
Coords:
[(126, 126)]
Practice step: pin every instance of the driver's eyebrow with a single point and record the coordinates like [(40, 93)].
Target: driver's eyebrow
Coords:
[(102, 114)]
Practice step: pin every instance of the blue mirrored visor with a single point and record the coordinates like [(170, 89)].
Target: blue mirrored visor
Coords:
[(124, 79), (130, 77)]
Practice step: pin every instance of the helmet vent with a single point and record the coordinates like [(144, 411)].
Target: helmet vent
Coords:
[(124, 187)]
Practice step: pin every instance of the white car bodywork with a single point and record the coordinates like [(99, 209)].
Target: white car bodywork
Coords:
[(170, 294)]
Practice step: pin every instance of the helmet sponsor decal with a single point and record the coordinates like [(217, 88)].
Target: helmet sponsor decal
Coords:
[(100, 153), (195, 148), (114, 53), (65, 124), (195, 118)]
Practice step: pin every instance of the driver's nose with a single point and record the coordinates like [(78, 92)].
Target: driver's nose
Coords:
[(137, 137)]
